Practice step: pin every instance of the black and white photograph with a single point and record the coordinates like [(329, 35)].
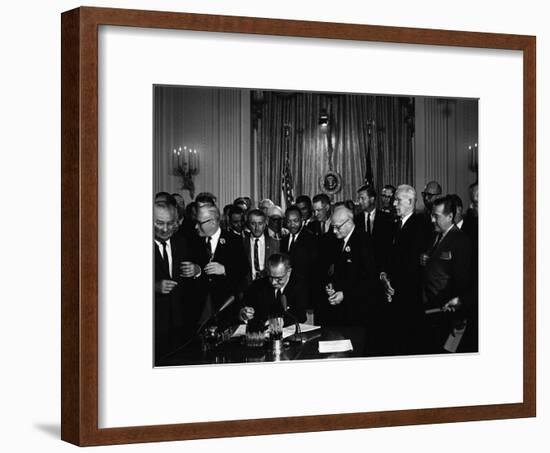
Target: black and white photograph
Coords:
[(296, 225)]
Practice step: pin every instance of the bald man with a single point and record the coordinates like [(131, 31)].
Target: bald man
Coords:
[(350, 280)]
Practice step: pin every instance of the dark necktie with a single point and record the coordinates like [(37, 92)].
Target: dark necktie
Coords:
[(369, 230), (165, 260), (323, 224), (209, 248), (398, 228), (290, 242), (208, 308), (436, 243), (256, 259), (279, 298)]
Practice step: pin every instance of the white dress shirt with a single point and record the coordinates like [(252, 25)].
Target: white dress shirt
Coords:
[(168, 251), (346, 239), (404, 219), (261, 254), (370, 215), (214, 239)]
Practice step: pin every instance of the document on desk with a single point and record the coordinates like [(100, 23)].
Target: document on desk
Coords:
[(335, 346), (287, 331), (241, 330), (304, 328)]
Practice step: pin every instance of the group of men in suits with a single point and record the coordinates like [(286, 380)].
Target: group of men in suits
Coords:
[(385, 269)]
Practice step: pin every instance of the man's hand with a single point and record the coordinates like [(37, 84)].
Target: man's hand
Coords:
[(329, 290), (386, 284), (214, 269), (165, 286), (189, 269), (453, 305), (246, 313), (424, 258), (336, 298)]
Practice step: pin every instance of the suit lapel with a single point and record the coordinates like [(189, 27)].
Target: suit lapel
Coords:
[(284, 243), (267, 250), (445, 240), (404, 229), (220, 248), (246, 246)]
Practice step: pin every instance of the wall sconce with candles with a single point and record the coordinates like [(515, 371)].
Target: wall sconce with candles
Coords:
[(186, 165), (323, 118), (472, 157)]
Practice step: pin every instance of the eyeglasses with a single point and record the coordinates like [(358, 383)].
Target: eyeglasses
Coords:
[(204, 221), (430, 195), (339, 227), (278, 279)]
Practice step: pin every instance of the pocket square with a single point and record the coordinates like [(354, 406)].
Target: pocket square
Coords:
[(446, 255)]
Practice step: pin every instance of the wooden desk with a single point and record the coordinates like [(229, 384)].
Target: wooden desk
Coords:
[(235, 351)]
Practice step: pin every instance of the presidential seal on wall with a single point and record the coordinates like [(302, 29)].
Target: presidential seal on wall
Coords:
[(330, 182)]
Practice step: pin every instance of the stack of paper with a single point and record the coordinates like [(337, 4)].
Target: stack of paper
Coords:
[(289, 330), (335, 346)]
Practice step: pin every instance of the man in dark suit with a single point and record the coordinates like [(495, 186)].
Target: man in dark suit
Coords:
[(327, 246), (235, 221), (223, 264), (470, 226), (446, 271), (377, 224), (400, 278), (321, 211), (281, 293), (432, 190), (175, 307), (310, 222), (300, 244), (350, 281), (259, 246), (386, 199)]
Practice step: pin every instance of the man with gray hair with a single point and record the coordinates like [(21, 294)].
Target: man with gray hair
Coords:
[(350, 280), (401, 277), (173, 274), (222, 261), (275, 217), (265, 204)]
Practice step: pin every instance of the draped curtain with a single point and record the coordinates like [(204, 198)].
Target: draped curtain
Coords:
[(389, 120)]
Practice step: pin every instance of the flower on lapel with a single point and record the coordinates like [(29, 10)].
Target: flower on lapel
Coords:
[(347, 249), (222, 241)]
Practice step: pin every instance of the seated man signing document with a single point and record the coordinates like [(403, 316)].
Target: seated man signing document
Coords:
[(280, 294)]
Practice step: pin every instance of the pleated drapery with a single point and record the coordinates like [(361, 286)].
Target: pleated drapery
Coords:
[(388, 119)]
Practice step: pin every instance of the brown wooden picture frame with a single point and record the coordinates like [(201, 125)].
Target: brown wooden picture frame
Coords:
[(79, 313)]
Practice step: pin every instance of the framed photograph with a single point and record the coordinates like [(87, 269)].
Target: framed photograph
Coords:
[(311, 194)]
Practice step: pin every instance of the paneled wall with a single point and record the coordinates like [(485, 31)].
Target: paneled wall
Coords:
[(444, 129), (214, 121), (217, 123)]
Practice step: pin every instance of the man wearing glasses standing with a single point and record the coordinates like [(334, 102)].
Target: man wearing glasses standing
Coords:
[(350, 281), (386, 199), (221, 258), (432, 190)]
